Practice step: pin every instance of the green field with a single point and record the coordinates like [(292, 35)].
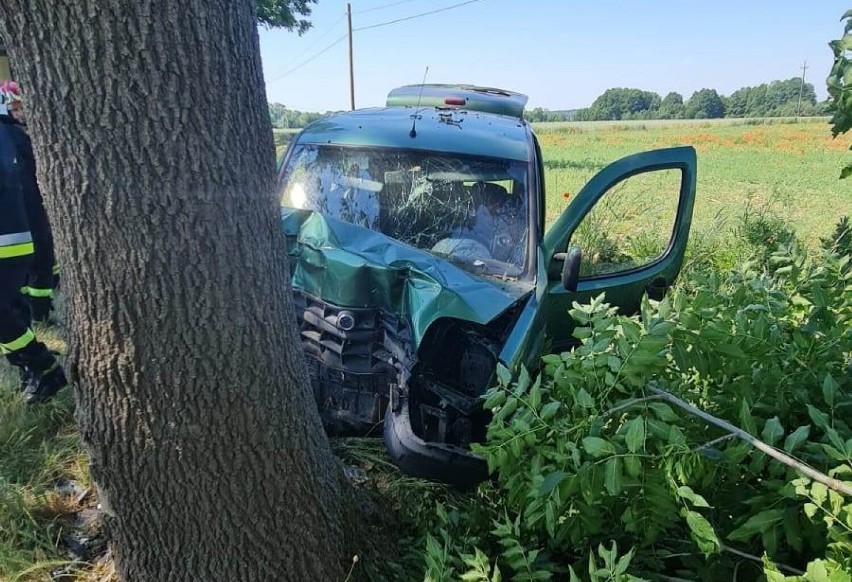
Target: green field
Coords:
[(788, 169)]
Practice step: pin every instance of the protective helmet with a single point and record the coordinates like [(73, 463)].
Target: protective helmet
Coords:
[(10, 92)]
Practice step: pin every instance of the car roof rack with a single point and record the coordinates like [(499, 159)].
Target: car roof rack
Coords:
[(468, 97)]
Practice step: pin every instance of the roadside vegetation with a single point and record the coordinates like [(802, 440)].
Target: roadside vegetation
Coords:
[(44, 481), (601, 471), (625, 459)]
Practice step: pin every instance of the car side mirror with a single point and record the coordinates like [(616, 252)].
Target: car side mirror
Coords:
[(570, 267)]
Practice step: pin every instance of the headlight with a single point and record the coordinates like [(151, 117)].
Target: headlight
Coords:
[(298, 197)]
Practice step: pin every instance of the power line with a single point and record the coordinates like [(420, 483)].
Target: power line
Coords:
[(416, 15), (383, 6), (351, 61), (316, 42), (351, 30), (305, 62)]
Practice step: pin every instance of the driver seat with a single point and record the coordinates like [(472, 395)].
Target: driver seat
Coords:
[(490, 195)]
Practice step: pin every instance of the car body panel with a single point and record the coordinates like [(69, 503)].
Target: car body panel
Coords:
[(449, 130), (625, 289)]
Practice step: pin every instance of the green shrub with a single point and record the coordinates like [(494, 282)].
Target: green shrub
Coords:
[(592, 452), (761, 234), (840, 241)]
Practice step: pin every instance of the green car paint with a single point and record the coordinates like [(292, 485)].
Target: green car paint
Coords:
[(396, 331), (548, 320), (463, 132), (350, 266)]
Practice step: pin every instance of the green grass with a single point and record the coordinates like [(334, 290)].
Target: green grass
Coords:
[(39, 447), (788, 169)]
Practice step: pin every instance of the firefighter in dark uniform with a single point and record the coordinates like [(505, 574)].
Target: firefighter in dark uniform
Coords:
[(43, 269), (43, 374)]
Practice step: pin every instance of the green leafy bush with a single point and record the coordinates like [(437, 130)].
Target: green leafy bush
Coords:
[(596, 451), (761, 233), (840, 241), (840, 85)]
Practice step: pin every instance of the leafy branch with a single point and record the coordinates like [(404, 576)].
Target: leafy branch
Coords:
[(761, 353), (830, 482), (839, 84)]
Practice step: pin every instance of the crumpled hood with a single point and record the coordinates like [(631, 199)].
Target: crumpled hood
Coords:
[(351, 266)]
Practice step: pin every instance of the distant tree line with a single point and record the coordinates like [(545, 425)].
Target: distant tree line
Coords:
[(284, 118), (775, 99), (539, 114)]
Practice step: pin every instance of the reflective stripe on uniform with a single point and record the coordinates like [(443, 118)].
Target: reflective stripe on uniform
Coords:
[(37, 291), (56, 268), (19, 343), (15, 238), (19, 250)]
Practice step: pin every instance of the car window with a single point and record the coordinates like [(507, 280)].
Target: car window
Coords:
[(631, 226), (470, 210)]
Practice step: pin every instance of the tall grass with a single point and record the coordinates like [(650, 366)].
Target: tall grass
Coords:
[(39, 450)]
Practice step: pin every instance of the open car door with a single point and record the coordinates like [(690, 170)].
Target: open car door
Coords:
[(624, 234)]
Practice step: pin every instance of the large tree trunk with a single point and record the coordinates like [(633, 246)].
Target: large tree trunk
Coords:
[(156, 156)]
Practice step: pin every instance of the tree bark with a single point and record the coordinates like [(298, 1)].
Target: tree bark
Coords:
[(156, 158)]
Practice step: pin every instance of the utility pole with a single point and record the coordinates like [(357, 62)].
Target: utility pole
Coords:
[(801, 89), (351, 65)]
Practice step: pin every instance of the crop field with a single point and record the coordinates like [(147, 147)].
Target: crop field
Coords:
[(788, 169)]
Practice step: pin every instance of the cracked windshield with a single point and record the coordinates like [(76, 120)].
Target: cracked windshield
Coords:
[(471, 211)]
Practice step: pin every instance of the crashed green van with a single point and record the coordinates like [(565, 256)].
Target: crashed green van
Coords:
[(420, 260)]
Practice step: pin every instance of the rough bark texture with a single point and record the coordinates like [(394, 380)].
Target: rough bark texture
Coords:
[(156, 158)]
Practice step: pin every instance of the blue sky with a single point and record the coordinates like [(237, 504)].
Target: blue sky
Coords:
[(562, 53)]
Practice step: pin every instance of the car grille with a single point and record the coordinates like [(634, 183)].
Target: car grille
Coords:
[(354, 358)]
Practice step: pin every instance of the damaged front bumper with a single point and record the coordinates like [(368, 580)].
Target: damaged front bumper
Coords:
[(435, 461), (393, 334)]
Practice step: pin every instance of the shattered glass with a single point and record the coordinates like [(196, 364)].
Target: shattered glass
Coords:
[(472, 211)]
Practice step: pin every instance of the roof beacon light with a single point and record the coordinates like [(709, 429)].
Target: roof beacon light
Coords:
[(467, 97)]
